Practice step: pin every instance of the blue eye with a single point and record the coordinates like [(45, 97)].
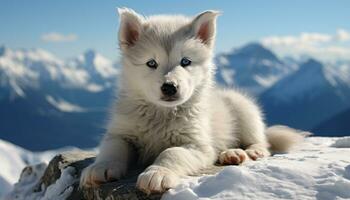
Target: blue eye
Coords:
[(185, 62), (152, 64)]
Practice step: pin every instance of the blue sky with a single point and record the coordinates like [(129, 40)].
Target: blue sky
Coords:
[(93, 24)]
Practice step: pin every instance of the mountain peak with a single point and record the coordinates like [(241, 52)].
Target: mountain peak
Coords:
[(2, 50), (253, 46), (256, 50), (96, 64), (90, 54), (312, 61), (312, 78), (311, 65)]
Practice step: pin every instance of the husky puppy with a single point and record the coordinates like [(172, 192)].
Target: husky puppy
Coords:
[(169, 115)]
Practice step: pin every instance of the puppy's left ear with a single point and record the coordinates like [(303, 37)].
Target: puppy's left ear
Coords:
[(130, 27), (204, 27)]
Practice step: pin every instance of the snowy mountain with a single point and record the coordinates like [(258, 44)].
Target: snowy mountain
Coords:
[(337, 125), (99, 70), (47, 102), (32, 68), (309, 96), (297, 92), (252, 68), (53, 99)]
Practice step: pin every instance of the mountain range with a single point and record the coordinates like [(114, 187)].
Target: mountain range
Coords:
[(302, 94), (47, 102), (252, 68), (308, 96)]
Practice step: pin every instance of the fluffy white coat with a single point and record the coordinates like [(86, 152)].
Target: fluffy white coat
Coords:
[(201, 126)]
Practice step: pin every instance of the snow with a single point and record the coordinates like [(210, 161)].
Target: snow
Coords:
[(76, 77), (94, 87), (338, 74), (223, 61), (29, 187), (268, 63), (14, 73), (13, 159), (62, 188), (342, 142), (11, 156), (5, 186), (26, 68), (63, 105), (96, 63), (266, 81), (104, 67), (317, 169), (28, 182), (227, 75), (347, 172), (17, 89)]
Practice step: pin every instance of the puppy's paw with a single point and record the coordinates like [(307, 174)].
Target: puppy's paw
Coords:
[(101, 172), (156, 179), (254, 154), (232, 157)]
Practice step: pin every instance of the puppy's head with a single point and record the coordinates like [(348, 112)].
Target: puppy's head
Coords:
[(166, 59)]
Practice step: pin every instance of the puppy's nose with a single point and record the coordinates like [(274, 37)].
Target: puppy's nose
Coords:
[(169, 89)]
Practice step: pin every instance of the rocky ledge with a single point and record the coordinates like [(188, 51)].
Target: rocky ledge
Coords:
[(60, 180)]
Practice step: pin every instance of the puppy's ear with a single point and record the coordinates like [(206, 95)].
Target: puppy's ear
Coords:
[(204, 26), (130, 27)]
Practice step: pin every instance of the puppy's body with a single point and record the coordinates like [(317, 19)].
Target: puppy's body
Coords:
[(215, 120), (178, 134)]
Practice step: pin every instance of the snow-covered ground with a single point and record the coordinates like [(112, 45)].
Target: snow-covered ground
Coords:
[(14, 158), (319, 169)]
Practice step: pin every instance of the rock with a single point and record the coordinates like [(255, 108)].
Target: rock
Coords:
[(60, 180)]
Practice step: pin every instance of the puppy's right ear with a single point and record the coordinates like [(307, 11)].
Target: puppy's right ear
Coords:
[(204, 26), (130, 27)]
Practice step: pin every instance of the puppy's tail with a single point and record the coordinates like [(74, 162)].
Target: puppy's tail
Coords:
[(283, 138)]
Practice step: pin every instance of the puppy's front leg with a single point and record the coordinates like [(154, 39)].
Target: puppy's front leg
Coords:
[(110, 164), (171, 164)]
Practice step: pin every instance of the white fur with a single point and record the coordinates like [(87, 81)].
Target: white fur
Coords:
[(176, 138)]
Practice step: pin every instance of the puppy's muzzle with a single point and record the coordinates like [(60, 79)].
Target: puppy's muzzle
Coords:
[(169, 90)]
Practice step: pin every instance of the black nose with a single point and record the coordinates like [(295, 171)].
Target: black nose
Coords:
[(169, 89)]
